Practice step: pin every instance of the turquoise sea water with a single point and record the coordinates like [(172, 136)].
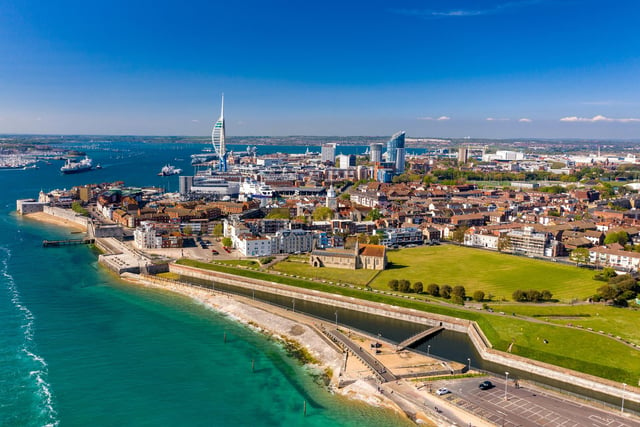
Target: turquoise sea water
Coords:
[(78, 347)]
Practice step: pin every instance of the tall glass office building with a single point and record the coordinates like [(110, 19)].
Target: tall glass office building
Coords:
[(395, 151)]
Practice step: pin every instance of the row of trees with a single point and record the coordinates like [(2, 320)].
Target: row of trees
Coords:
[(457, 294), (531, 295)]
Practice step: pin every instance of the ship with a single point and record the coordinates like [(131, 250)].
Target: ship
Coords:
[(169, 170), (254, 189), (83, 165)]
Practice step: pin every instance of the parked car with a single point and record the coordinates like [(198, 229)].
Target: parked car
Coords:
[(442, 391), (213, 251), (485, 385)]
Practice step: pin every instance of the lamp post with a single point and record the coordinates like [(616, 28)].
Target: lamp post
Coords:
[(506, 382), (624, 389), (468, 364), (336, 318), (428, 348)]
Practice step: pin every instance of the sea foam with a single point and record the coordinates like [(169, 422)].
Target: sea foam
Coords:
[(40, 372)]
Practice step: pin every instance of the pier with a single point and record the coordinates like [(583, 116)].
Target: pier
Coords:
[(67, 242), (417, 337)]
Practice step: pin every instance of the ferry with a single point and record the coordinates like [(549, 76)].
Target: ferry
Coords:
[(252, 188), (83, 165), (169, 170)]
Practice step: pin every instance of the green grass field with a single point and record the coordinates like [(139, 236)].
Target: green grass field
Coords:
[(356, 277), (571, 348), (491, 272)]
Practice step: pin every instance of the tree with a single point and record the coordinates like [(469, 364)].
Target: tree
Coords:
[(393, 284), (418, 287), (374, 240), (218, 230), (227, 242), (279, 213), (345, 196), (616, 237), (580, 256), (519, 295), (459, 291), (607, 292), (187, 230), (445, 291), (547, 295), (504, 243), (373, 215), (458, 234), (322, 213), (478, 296), (433, 289), (533, 295), (404, 286), (457, 299)]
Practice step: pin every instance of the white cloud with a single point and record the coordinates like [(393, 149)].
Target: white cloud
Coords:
[(440, 119), (195, 121), (599, 118), (496, 119), (525, 120), (434, 14)]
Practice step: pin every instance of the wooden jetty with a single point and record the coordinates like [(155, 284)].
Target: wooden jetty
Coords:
[(67, 242), (417, 337)]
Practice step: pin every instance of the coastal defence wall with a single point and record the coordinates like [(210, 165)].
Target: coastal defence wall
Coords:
[(474, 332), (67, 214)]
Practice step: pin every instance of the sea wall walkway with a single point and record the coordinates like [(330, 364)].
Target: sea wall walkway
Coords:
[(475, 334)]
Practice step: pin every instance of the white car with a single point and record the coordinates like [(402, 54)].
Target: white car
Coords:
[(442, 391)]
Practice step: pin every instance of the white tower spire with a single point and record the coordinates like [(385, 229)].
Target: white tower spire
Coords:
[(218, 140)]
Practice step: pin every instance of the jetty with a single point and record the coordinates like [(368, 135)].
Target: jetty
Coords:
[(417, 337), (67, 242)]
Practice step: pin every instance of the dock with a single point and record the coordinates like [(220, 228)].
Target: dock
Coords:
[(417, 337), (67, 242)]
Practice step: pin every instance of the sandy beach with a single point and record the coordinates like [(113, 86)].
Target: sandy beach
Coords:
[(54, 220), (350, 377)]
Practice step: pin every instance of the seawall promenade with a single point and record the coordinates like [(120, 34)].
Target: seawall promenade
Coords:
[(481, 343)]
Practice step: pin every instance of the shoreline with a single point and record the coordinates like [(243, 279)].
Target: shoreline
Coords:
[(286, 327), (54, 220), (405, 397)]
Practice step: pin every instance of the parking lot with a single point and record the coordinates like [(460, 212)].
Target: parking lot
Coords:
[(526, 406)]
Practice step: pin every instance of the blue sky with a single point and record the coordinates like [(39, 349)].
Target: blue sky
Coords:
[(439, 68)]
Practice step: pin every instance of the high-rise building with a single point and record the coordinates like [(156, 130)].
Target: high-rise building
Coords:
[(218, 140), (395, 151), (463, 155), (375, 153), (345, 161), (328, 153)]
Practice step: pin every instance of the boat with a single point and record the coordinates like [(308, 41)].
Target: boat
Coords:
[(252, 188), (169, 170), (98, 166), (71, 166)]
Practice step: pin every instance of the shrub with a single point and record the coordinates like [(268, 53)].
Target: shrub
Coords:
[(393, 284), (519, 295), (547, 295), (457, 299)]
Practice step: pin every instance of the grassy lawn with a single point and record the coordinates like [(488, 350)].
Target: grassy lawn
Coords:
[(356, 277), (567, 347), (610, 320), (491, 272), (242, 262)]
